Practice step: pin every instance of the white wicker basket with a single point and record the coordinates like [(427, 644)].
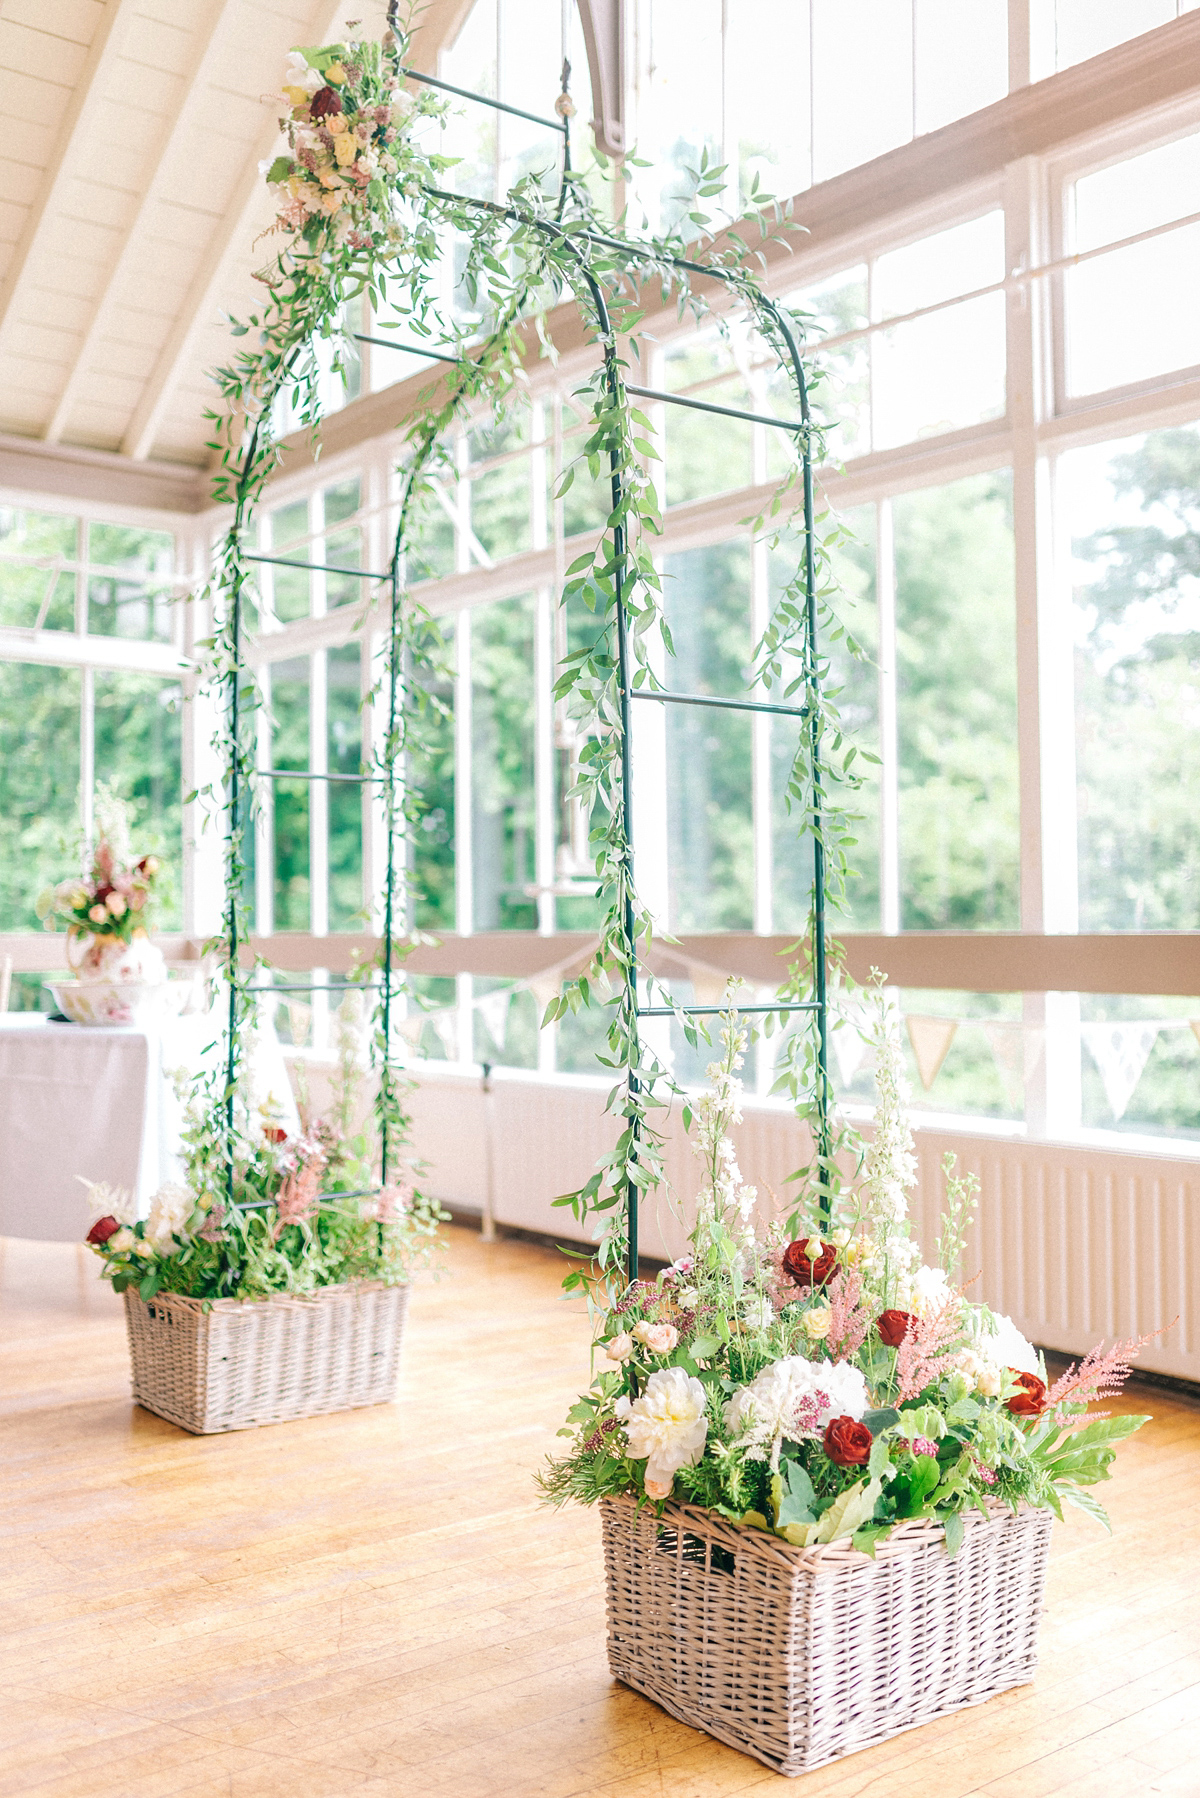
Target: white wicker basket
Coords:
[(799, 1656), (244, 1362)]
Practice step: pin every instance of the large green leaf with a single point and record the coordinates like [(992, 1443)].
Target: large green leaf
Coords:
[(849, 1511)]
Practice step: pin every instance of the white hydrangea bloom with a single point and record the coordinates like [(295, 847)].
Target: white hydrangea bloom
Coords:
[(793, 1397), (666, 1426), (110, 1201), (170, 1209), (1004, 1346), (928, 1291)]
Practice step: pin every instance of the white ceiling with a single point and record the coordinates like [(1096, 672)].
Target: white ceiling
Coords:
[(130, 200)]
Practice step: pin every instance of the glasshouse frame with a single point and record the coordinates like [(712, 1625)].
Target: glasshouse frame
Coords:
[(634, 1166)]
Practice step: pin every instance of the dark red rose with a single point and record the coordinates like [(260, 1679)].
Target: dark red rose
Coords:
[(802, 1269), (273, 1133), (1030, 1401), (893, 1326), (326, 103), (101, 894), (102, 1229), (848, 1444)]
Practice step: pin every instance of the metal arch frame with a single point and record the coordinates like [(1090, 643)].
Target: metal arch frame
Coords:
[(801, 430)]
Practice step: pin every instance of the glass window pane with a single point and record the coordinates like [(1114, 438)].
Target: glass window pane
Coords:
[(940, 373), (35, 592), (959, 260), (961, 58), (587, 502), (289, 537), (345, 797), (135, 599), (343, 549), (957, 706), (767, 96), (853, 686), (839, 378), (139, 720), (1084, 28), (708, 752), (682, 110), (502, 765), (432, 777), (1153, 283), (862, 82), (704, 453), (1134, 518), (289, 709), (39, 786)]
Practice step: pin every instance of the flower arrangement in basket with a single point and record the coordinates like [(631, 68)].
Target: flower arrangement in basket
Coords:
[(309, 1249), (108, 909), (774, 1416)]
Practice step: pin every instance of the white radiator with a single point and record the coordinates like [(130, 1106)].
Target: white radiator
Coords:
[(1075, 1242)]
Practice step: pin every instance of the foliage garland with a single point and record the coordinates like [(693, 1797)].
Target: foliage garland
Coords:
[(520, 259)]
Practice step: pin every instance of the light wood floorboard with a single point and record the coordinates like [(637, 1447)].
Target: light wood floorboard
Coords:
[(373, 1605)]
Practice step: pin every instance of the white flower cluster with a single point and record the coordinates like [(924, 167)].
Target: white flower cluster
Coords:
[(667, 1425), (891, 1163), (725, 1197), (793, 1396), (996, 1346)]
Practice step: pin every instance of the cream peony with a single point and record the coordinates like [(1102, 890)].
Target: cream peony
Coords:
[(793, 1398), (666, 1426), (170, 1209)]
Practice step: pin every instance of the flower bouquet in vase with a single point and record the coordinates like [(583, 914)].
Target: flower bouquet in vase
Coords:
[(120, 976), (826, 1477), (286, 1299)]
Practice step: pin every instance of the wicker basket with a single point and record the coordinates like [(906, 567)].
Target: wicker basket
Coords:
[(798, 1656), (244, 1362)]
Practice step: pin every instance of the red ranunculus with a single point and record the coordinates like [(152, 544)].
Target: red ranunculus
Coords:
[(893, 1326), (1030, 1401), (798, 1265), (273, 1133), (325, 103), (102, 1229), (848, 1444)]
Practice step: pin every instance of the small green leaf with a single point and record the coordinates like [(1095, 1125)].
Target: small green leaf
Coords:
[(955, 1529)]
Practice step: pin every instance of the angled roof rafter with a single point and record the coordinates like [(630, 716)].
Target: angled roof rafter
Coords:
[(219, 12)]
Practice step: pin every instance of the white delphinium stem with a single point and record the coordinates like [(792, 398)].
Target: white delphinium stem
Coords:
[(725, 1198), (891, 1162)]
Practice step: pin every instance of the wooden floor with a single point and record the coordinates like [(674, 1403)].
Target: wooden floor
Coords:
[(373, 1604)]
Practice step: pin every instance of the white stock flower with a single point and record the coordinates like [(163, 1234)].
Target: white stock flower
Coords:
[(666, 1426), (758, 1314), (170, 1209), (790, 1398), (110, 1201), (929, 1291), (299, 73)]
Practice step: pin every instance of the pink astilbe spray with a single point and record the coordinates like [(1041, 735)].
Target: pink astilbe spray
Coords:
[(296, 1199), (921, 1356), (1101, 1373), (849, 1317), (392, 1202)]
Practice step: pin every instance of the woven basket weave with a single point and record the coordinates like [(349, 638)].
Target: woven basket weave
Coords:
[(245, 1362), (799, 1656)]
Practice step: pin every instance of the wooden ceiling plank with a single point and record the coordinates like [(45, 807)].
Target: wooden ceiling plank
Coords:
[(183, 123), (208, 288), (102, 55)]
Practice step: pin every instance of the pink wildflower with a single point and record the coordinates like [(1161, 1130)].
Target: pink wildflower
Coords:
[(849, 1318), (921, 1356), (212, 1229), (983, 1473), (921, 1445), (807, 1418), (297, 1197), (392, 1202), (1098, 1375)]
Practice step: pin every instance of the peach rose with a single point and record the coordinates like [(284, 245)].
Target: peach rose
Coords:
[(620, 1348), (659, 1488), (660, 1339)]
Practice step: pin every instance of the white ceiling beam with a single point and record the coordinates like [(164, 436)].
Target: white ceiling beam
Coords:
[(211, 282), (208, 33), (103, 52)]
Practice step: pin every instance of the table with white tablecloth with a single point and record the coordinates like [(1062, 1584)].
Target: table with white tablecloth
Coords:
[(100, 1103)]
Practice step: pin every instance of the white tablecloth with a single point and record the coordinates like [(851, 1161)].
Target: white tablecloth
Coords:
[(101, 1103)]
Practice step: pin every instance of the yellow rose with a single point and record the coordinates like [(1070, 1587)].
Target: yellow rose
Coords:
[(816, 1323), (345, 148), (295, 96), (337, 123), (335, 74)]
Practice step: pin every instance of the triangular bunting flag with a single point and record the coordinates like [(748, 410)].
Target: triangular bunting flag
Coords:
[(493, 1009), (850, 1044), (1120, 1051), (445, 1024), (931, 1039)]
